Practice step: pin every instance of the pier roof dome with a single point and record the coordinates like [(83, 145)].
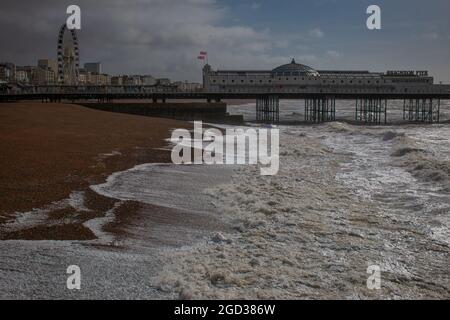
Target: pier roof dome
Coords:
[(294, 69)]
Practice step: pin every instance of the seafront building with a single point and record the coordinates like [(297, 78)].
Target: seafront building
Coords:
[(44, 76), (163, 81), (116, 80), (48, 64), (30, 72), (295, 77), (22, 76), (148, 80), (93, 67), (186, 86), (7, 71), (132, 80)]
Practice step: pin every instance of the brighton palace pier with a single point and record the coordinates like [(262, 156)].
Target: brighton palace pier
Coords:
[(318, 91), (321, 88)]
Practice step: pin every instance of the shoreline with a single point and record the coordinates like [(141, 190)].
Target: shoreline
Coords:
[(307, 233), (122, 246), (58, 152)]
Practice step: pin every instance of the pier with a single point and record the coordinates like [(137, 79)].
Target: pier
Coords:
[(370, 107), (316, 90)]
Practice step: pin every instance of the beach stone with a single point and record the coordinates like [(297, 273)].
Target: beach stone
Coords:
[(220, 238), (185, 294), (254, 262)]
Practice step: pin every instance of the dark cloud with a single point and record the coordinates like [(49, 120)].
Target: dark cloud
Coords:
[(164, 37), (141, 36)]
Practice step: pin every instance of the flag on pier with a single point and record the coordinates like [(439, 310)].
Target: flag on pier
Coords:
[(203, 56)]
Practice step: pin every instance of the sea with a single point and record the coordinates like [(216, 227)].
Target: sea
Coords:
[(348, 198)]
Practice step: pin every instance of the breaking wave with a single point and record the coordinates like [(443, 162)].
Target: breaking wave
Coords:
[(340, 202), (422, 163)]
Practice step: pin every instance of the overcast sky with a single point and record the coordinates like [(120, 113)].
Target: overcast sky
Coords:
[(164, 37)]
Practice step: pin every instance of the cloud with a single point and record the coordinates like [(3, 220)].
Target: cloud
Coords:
[(164, 37), (157, 37), (429, 36), (333, 54), (316, 33)]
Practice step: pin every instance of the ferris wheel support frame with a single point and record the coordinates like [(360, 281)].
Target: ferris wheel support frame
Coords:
[(60, 54)]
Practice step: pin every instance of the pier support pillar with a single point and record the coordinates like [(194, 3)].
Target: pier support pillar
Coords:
[(422, 110), (370, 110), (268, 109), (318, 110)]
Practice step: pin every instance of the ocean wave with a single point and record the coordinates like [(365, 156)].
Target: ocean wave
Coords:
[(421, 163), (342, 127), (391, 135)]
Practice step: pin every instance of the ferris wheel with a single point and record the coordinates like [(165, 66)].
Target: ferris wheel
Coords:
[(68, 56)]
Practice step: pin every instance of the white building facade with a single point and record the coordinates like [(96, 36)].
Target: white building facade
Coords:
[(298, 78)]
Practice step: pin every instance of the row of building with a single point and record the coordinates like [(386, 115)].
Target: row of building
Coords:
[(46, 73)]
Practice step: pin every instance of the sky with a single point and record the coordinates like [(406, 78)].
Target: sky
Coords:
[(163, 38)]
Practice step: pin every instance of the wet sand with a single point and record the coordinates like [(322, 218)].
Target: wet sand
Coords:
[(51, 150)]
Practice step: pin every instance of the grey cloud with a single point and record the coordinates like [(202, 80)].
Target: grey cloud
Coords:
[(160, 37)]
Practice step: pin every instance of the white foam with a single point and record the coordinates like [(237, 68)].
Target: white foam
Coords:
[(96, 225), (40, 216), (168, 185)]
